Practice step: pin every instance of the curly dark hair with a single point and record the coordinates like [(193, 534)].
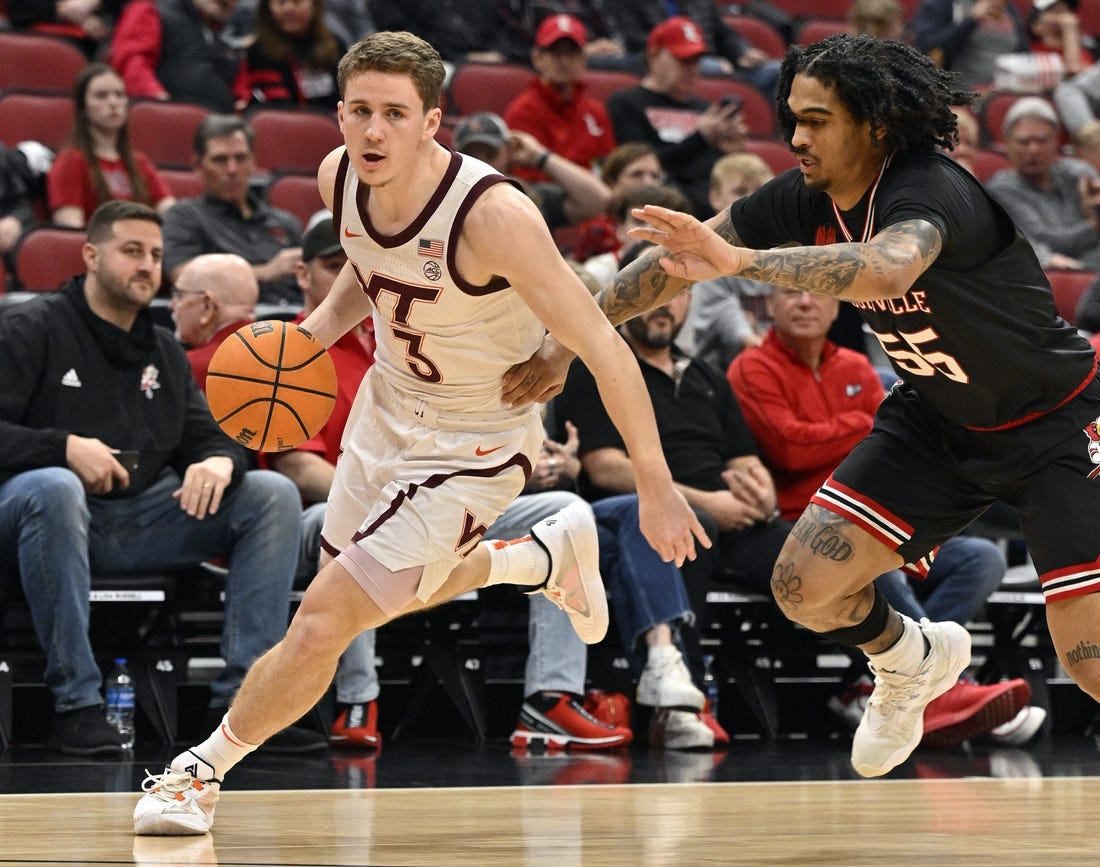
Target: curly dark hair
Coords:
[(890, 84)]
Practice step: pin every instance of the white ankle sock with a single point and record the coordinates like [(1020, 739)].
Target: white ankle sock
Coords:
[(906, 654), (221, 751), (520, 561)]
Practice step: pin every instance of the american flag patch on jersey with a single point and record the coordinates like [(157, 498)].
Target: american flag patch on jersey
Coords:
[(431, 248)]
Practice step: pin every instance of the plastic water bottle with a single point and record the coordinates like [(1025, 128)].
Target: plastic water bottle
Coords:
[(710, 684), (120, 702)]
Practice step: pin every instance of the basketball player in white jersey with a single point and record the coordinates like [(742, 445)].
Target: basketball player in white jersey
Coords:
[(462, 278)]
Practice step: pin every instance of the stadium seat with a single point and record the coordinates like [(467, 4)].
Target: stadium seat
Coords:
[(293, 141), (1068, 287), (815, 29), (601, 83), (41, 117), (835, 9), (776, 154), (758, 33), (987, 163), (759, 114), (164, 131), (296, 193), (183, 183), (47, 257), (485, 87), (41, 63)]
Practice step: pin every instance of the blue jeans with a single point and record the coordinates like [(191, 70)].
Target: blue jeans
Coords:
[(59, 536), (963, 574), (557, 658), (645, 591)]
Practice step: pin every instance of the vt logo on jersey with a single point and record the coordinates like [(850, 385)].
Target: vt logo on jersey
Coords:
[(1092, 431)]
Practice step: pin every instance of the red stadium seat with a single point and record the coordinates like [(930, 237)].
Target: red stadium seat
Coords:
[(47, 257), (293, 141), (815, 29), (485, 87), (776, 154), (836, 9), (987, 163), (41, 63), (164, 131), (41, 117), (602, 83), (297, 194), (759, 34), (1068, 287), (759, 113), (182, 183)]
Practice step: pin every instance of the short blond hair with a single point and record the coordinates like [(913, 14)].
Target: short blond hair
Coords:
[(751, 167)]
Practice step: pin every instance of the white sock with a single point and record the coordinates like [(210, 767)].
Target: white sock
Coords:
[(219, 752), (906, 654), (520, 561)]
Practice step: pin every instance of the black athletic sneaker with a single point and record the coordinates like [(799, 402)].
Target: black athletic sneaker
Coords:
[(85, 732)]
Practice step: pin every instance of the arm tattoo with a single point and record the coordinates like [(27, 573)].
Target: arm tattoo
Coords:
[(834, 268), (644, 284)]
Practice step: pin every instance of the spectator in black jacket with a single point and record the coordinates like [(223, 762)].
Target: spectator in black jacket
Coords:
[(460, 30), (113, 463)]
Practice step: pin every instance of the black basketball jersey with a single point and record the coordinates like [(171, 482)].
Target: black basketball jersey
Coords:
[(977, 335)]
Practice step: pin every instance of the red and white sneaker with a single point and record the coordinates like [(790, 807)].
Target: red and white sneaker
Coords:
[(574, 583), (969, 709), (559, 722), (356, 727)]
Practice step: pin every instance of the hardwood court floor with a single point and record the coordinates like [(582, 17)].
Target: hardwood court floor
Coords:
[(457, 803)]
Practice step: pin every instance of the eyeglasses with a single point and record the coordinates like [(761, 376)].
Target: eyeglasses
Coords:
[(178, 293)]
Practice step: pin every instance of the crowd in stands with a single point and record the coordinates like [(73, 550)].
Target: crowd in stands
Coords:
[(758, 392)]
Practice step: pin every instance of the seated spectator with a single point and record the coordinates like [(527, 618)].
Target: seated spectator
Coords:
[(177, 49), (573, 194), (1051, 198), (291, 63), (633, 164), (882, 19), (555, 108), (215, 294), (183, 495), (1086, 143), (23, 171), (231, 217), (1054, 29), (605, 266), (727, 52), (1078, 99), (808, 402), (967, 36), (518, 21), (730, 313), (98, 164), (462, 31), (349, 20), (86, 23), (688, 134)]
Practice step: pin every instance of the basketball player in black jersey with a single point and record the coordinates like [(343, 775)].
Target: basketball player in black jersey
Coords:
[(999, 397)]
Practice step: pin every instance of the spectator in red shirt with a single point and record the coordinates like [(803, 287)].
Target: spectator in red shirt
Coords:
[(555, 107), (214, 295), (99, 164)]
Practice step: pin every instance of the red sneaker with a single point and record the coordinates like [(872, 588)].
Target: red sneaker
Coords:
[(612, 708), (721, 736), (559, 722), (969, 709), (357, 727)]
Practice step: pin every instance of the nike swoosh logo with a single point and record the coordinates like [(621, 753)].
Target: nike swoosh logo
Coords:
[(480, 452), (350, 234)]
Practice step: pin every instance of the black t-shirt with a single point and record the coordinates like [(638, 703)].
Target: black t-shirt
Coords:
[(698, 419), (977, 336)]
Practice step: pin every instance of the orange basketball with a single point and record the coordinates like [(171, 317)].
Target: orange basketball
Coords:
[(271, 385)]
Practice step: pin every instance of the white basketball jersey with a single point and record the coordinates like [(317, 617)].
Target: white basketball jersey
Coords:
[(439, 338)]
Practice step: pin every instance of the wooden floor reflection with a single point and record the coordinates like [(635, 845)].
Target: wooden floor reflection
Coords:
[(979, 821)]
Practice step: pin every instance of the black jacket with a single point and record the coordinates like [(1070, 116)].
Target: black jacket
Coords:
[(64, 370)]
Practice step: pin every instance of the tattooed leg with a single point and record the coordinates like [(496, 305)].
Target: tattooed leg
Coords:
[(1074, 626), (823, 577)]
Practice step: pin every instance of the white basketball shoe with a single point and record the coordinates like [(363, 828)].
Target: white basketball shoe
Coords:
[(178, 802), (574, 584)]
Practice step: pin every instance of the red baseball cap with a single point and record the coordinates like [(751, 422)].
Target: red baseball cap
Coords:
[(560, 27), (679, 36)]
